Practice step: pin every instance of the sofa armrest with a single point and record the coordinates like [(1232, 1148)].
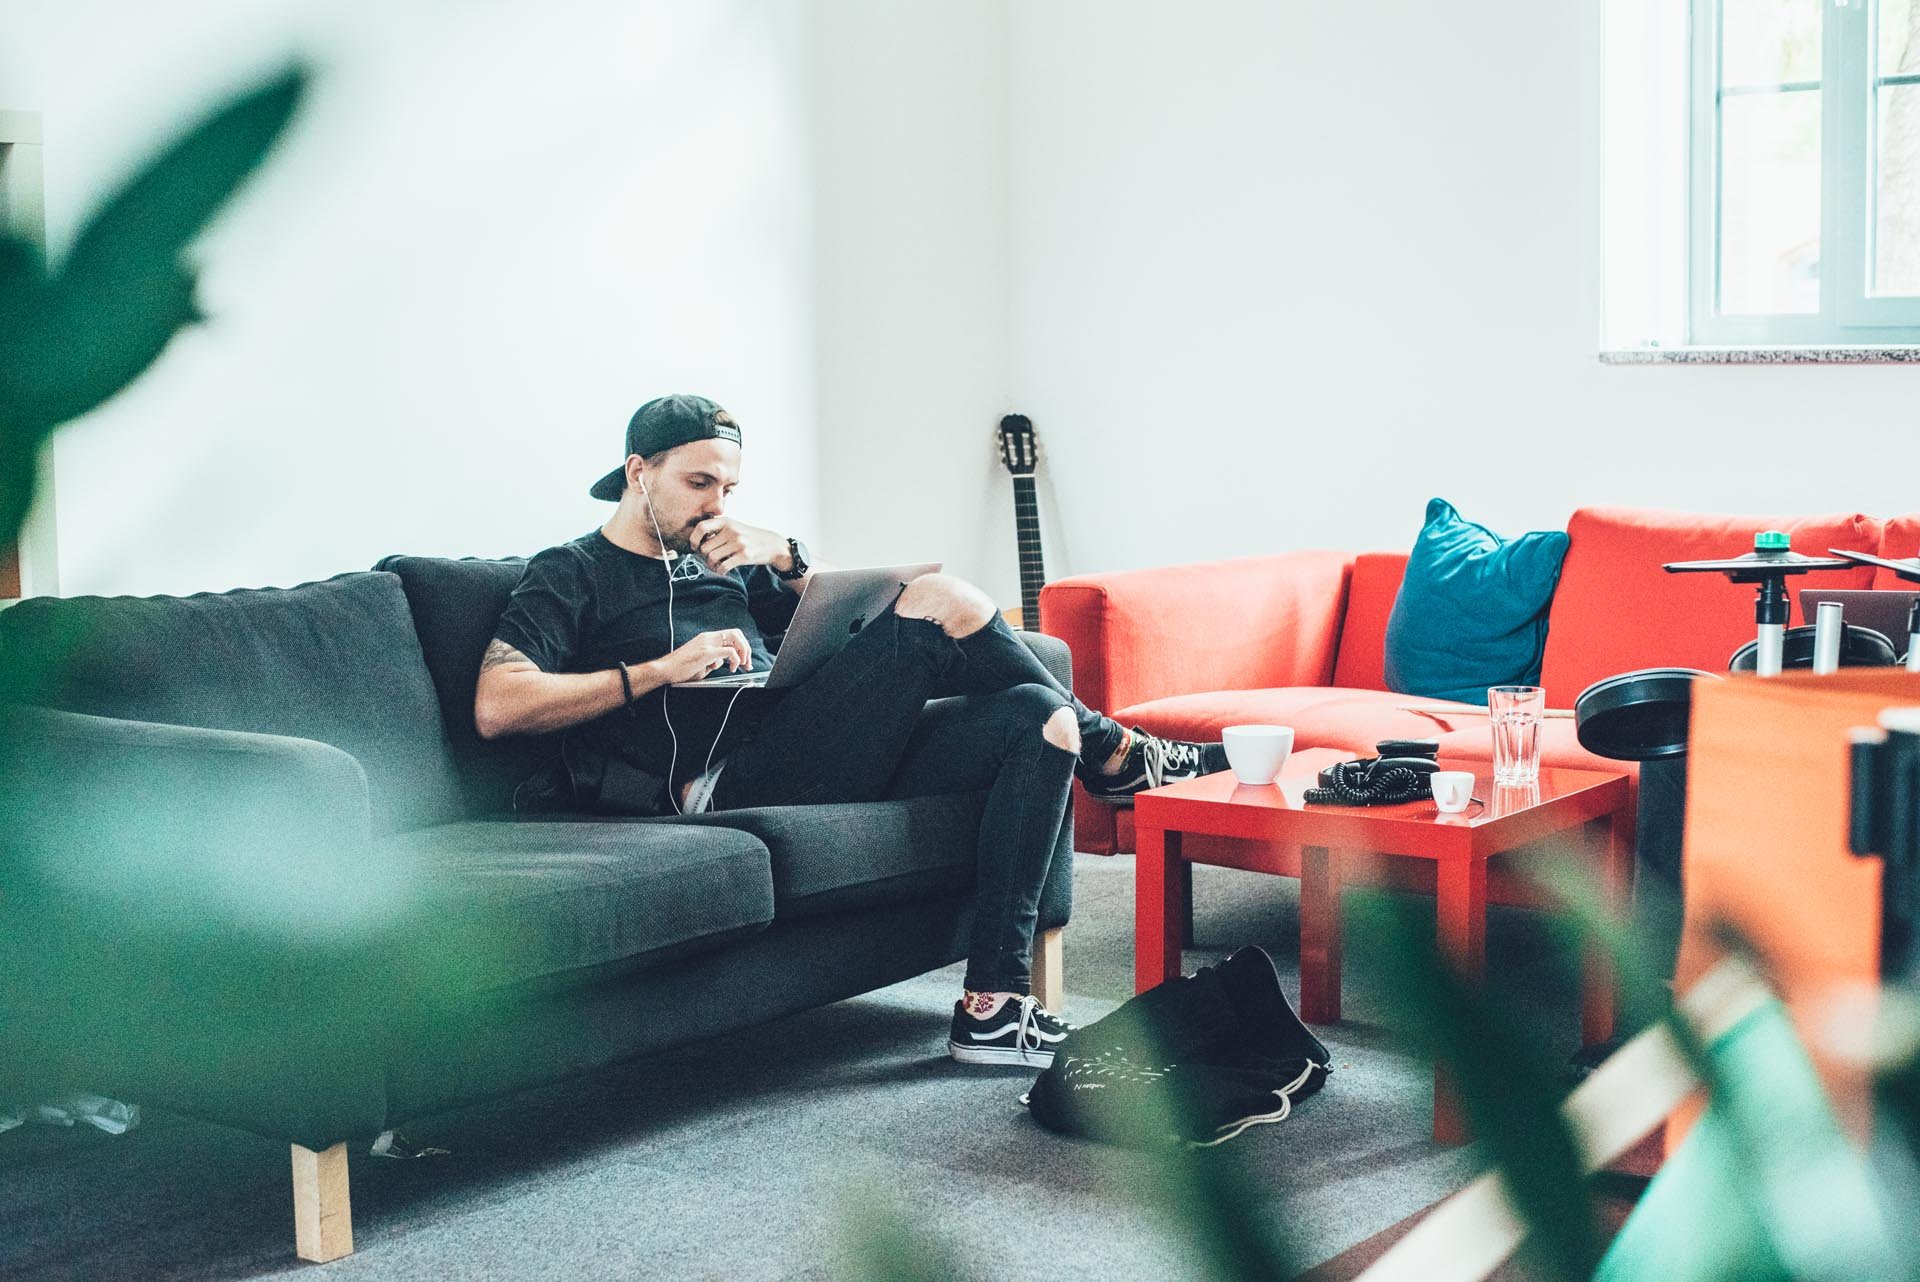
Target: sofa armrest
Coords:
[(197, 918), (130, 839), (1222, 625), (143, 801), (1053, 653)]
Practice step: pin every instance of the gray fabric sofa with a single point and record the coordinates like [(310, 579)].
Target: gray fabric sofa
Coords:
[(259, 867)]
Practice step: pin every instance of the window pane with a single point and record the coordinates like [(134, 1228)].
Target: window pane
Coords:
[(1770, 203), (1767, 42), (1896, 240), (1899, 51)]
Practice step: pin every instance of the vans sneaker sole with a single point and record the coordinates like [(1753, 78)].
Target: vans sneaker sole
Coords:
[(999, 1055)]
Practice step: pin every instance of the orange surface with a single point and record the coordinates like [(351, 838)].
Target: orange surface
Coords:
[(1227, 625), (1899, 540), (1362, 659), (1616, 610), (1183, 650), (1321, 716), (1766, 841)]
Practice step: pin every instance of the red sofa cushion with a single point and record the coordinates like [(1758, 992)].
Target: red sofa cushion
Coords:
[(1247, 623), (1616, 610), (1899, 540), (1321, 716), (1362, 659)]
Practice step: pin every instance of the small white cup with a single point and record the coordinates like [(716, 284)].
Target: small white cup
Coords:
[(1256, 753), (1452, 790)]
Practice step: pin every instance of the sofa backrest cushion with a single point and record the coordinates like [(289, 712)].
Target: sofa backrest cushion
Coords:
[(1898, 541), (1617, 611), (455, 606), (1362, 662), (335, 661)]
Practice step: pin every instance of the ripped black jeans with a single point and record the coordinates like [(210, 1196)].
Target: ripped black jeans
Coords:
[(860, 729)]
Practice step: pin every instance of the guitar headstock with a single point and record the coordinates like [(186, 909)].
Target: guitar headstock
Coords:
[(1019, 448)]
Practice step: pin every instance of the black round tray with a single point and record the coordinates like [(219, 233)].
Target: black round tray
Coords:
[(1637, 716), (1862, 648)]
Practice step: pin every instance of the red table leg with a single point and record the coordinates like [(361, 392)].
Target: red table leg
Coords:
[(1319, 936), (1461, 892), (1159, 905), (1610, 840)]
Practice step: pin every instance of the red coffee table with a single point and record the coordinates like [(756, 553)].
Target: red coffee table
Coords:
[(1274, 819)]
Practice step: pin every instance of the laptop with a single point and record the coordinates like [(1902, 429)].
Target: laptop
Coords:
[(1885, 612), (835, 605)]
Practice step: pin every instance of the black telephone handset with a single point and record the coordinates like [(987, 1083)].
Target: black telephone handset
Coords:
[(1401, 773)]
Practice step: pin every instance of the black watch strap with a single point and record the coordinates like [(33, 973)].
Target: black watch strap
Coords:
[(798, 552)]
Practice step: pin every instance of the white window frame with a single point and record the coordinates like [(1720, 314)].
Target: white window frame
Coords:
[(1849, 314)]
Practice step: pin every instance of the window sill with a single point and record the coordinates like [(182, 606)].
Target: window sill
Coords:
[(1759, 355)]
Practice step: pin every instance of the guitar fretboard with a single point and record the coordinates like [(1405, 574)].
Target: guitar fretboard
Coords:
[(1033, 570)]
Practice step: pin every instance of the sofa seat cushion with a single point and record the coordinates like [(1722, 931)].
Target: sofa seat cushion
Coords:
[(500, 903), (830, 858), (1321, 716)]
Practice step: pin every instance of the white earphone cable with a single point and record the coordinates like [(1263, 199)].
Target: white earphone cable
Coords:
[(673, 642), (673, 762)]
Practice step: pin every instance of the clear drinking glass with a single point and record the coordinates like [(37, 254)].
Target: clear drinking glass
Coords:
[(1515, 712)]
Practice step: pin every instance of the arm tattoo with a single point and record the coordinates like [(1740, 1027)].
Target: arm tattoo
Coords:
[(499, 654)]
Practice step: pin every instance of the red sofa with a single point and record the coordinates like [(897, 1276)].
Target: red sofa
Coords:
[(1297, 638)]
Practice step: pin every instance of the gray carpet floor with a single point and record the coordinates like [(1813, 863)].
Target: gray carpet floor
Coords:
[(784, 1151)]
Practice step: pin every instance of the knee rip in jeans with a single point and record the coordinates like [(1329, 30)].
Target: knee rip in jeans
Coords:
[(956, 605), (1062, 730)]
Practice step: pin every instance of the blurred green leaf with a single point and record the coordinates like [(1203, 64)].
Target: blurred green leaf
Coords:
[(1508, 1084), (886, 1247), (1645, 993), (1211, 1196), (73, 337)]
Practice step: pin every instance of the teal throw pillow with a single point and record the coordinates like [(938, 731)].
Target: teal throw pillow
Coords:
[(1472, 610)]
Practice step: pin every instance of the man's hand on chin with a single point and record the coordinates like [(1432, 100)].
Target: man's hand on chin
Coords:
[(726, 544)]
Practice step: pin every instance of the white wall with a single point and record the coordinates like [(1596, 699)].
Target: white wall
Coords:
[(496, 230), (912, 220), (1287, 270), (1266, 275), (1278, 273)]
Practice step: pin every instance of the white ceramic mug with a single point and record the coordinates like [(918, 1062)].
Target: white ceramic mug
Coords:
[(1256, 753), (1452, 790)]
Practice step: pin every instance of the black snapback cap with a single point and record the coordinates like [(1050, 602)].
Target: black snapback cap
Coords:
[(661, 424)]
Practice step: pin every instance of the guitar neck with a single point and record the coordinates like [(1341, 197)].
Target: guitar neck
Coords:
[(1033, 568)]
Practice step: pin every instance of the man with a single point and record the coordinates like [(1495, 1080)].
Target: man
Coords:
[(671, 588)]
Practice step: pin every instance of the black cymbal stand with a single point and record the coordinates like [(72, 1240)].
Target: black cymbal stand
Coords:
[(1768, 566)]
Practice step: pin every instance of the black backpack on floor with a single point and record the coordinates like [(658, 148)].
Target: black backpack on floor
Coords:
[(1196, 1060)]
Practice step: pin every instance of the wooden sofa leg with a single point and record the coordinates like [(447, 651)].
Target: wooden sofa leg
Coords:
[(1049, 960), (322, 1216)]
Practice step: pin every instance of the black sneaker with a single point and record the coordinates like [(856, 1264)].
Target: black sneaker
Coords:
[(1022, 1031), (1153, 762)]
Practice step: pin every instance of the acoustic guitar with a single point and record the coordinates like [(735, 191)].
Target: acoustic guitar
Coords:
[(1020, 451)]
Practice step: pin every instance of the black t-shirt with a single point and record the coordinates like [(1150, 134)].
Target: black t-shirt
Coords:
[(588, 605)]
